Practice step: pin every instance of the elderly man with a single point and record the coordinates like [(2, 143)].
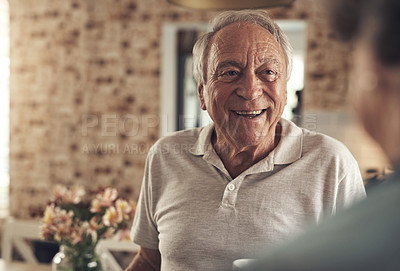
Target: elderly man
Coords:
[(216, 193), (366, 236)]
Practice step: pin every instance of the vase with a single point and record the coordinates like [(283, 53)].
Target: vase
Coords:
[(76, 259)]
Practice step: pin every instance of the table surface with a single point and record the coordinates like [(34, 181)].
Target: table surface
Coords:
[(21, 266)]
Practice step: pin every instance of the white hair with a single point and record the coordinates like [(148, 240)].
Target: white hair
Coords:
[(259, 17)]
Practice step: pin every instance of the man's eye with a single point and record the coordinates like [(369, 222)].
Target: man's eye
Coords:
[(269, 72), (269, 75), (231, 73), (228, 76), (228, 73)]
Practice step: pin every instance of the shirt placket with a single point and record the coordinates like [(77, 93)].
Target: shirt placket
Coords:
[(229, 197)]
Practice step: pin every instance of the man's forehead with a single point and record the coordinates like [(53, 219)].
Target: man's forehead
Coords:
[(238, 32), (238, 39)]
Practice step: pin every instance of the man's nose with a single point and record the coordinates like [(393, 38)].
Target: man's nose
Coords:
[(250, 87)]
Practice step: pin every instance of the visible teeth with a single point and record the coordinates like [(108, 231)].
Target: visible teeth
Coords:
[(248, 112)]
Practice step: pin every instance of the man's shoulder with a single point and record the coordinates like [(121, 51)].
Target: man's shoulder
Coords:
[(313, 140), (310, 144), (317, 138), (319, 142), (184, 139), (188, 135)]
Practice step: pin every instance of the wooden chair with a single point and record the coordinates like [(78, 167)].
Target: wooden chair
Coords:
[(15, 234)]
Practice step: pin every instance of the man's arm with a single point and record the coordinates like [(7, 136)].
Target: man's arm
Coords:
[(146, 260)]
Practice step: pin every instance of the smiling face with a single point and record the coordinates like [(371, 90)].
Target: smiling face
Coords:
[(245, 93)]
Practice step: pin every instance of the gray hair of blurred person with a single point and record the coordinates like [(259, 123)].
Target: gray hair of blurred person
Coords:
[(259, 17)]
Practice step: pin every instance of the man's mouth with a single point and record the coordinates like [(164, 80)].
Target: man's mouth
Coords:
[(249, 114)]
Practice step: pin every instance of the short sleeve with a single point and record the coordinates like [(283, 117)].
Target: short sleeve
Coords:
[(351, 187), (144, 229)]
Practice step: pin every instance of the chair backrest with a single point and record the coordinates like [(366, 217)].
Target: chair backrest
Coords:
[(105, 248), (15, 233)]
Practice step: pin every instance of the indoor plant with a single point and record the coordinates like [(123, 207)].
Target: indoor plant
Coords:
[(77, 219)]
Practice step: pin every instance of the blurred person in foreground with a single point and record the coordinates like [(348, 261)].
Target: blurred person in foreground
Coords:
[(215, 193), (366, 236)]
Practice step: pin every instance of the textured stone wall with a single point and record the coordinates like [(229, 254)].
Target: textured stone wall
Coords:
[(85, 80)]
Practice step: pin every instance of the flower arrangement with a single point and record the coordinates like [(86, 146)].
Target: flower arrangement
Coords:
[(77, 220)]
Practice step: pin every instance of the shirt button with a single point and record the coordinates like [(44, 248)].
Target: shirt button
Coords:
[(231, 187)]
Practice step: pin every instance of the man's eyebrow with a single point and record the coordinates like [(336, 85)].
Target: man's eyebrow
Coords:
[(233, 63), (229, 63), (271, 61)]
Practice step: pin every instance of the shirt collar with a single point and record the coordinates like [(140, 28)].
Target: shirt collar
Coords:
[(290, 145), (288, 150), (203, 143)]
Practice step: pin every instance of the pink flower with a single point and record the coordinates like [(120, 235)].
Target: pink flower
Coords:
[(112, 217), (108, 196), (123, 206), (76, 234), (59, 193), (95, 206), (49, 214), (62, 224), (92, 228), (66, 221), (65, 196)]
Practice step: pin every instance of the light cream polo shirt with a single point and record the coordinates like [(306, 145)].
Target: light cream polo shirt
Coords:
[(201, 219)]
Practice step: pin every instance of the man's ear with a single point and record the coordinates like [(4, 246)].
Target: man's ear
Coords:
[(200, 92), (286, 96)]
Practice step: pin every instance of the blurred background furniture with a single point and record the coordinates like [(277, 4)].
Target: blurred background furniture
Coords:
[(21, 241), (15, 235), (23, 266), (116, 255)]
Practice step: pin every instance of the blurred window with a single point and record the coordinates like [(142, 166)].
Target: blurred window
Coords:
[(4, 107)]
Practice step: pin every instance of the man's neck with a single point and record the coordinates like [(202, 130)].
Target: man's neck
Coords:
[(237, 158)]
